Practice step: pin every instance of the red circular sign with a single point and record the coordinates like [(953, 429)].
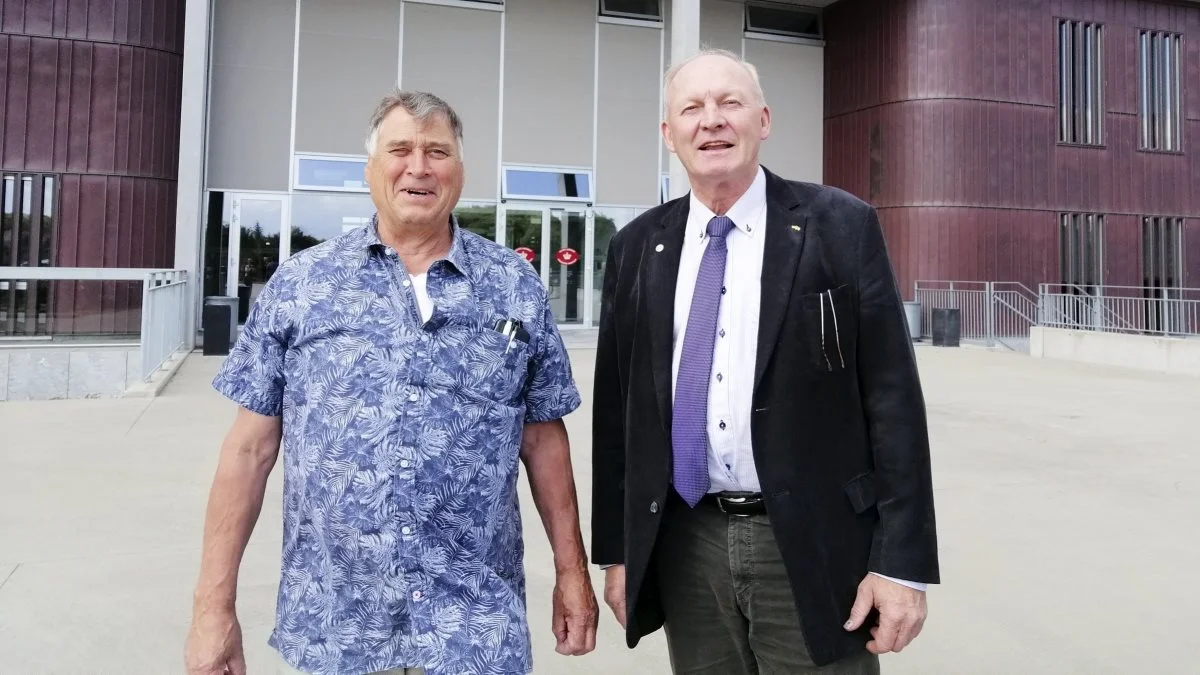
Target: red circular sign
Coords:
[(525, 252), (567, 256)]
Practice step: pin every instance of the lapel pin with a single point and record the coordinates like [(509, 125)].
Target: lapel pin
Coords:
[(796, 228), (658, 249)]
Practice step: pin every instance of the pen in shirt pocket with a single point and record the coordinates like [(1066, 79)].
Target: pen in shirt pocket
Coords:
[(836, 333)]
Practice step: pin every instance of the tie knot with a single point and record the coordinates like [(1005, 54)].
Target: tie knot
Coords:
[(719, 226)]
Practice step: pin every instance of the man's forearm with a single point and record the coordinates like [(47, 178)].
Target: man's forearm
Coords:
[(547, 456), (234, 504)]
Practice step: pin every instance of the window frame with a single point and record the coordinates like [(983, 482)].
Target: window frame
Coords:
[(1081, 82), (489, 5), (1081, 249), (507, 195), (40, 198), (300, 157), (646, 18), (768, 33), (1160, 109)]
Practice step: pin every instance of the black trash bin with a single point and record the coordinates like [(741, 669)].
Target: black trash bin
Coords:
[(219, 322), (946, 327)]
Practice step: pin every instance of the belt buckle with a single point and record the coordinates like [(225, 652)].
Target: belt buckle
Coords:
[(732, 500)]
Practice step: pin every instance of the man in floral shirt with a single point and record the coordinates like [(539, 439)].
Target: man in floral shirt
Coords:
[(407, 368)]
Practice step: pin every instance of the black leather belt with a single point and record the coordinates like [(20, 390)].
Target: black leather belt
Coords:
[(738, 503)]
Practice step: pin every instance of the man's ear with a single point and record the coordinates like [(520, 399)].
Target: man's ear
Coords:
[(666, 134)]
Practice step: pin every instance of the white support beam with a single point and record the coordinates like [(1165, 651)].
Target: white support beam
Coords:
[(189, 209), (685, 41)]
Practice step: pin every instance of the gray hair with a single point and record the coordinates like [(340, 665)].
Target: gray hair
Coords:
[(709, 51), (422, 106)]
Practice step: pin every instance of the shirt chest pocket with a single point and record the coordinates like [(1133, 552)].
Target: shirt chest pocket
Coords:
[(492, 366)]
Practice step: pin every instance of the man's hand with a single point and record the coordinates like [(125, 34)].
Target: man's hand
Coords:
[(614, 591), (214, 645), (575, 613), (902, 613)]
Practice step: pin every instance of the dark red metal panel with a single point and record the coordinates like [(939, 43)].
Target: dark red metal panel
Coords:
[(92, 94), (967, 173)]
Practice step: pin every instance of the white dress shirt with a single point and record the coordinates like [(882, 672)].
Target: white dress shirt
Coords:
[(731, 386)]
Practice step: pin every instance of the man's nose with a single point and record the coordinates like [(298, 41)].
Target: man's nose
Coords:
[(712, 117), (417, 164)]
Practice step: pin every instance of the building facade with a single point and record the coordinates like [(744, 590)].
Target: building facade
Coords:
[(1035, 141), (560, 101), (1047, 141)]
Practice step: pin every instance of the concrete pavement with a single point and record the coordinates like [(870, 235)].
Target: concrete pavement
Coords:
[(1068, 496)]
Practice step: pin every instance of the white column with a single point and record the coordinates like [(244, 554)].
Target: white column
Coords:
[(189, 209), (685, 41)]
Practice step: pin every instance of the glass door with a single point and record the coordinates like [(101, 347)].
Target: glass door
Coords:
[(255, 245), (554, 239), (565, 281), (523, 232)]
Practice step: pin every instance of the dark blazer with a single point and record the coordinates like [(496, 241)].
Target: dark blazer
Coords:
[(839, 435)]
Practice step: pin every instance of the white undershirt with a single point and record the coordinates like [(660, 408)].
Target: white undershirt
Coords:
[(424, 302)]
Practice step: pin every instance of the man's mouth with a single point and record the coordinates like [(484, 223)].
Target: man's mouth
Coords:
[(417, 193), (715, 145)]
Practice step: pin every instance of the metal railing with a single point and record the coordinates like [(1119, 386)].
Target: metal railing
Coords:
[(991, 312), (1121, 309), (164, 310), (164, 318)]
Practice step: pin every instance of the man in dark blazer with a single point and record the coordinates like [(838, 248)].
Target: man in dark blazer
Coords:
[(761, 472)]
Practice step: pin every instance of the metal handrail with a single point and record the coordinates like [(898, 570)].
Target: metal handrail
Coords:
[(1002, 312), (165, 303)]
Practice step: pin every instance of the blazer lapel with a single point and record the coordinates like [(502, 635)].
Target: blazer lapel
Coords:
[(786, 226), (662, 268)]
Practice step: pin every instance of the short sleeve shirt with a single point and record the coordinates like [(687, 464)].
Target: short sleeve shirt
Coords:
[(402, 538)]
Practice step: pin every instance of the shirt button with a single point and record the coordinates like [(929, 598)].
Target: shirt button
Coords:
[(654, 506), (722, 425), (720, 377), (722, 332), (404, 464), (407, 283), (413, 397), (406, 530), (722, 290), (417, 595)]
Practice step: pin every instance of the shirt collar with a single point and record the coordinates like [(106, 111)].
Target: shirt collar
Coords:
[(744, 212), (368, 238)]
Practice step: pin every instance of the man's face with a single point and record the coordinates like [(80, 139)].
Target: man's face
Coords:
[(416, 172), (715, 122)]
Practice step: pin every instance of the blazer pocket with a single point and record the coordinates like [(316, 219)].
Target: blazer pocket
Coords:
[(830, 329), (861, 491)]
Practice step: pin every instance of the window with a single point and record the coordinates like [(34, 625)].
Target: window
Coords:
[(547, 184), (1081, 251), (477, 218), (779, 19), (664, 188), (320, 217), (1160, 92), (28, 204), (1080, 82), (1162, 252), (650, 10), (342, 174), (1162, 274), (497, 5)]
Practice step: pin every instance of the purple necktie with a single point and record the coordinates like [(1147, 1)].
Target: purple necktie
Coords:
[(689, 419)]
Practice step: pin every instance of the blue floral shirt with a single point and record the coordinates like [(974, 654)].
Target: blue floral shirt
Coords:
[(402, 538)]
